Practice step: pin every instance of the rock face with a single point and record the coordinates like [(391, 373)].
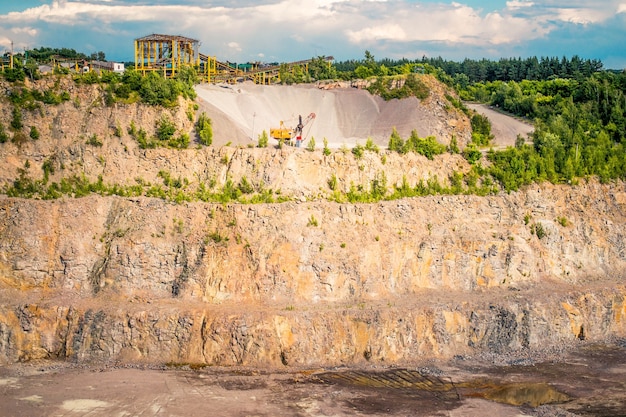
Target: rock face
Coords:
[(304, 283), (310, 284)]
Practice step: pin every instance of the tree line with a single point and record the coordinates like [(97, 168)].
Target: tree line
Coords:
[(578, 110)]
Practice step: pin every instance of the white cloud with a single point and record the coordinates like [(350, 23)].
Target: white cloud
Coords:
[(515, 4), (582, 15), (25, 30), (234, 46), (451, 24), (389, 32), (302, 28)]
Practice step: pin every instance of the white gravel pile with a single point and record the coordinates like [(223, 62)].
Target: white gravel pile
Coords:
[(343, 116)]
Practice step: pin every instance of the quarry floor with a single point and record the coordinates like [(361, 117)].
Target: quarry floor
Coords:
[(589, 380)]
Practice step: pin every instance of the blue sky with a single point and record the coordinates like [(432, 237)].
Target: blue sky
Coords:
[(289, 30)]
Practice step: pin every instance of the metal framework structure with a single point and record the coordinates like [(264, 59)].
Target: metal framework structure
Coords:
[(170, 53), (167, 53)]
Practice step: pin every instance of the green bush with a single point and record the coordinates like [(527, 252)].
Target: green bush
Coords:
[(179, 142), (371, 146), (429, 147), (245, 186), (14, 74), (165, 129), (481, 130), (154, 89), (4, 137), (263, 140), (311, 145), (396, 143), (204, 129), (94, 141), (16, 119), (454, 147), (326, 150), (332, 182), (358, 151), (34, 133), (413, 85), (472, 154)]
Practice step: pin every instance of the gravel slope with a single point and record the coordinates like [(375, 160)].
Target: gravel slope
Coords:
[(343, 115)]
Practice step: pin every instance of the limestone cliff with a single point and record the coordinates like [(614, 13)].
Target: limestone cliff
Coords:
[(307, 282), (398, 281)]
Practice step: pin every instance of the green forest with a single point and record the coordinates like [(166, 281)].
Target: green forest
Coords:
[(578, 110)]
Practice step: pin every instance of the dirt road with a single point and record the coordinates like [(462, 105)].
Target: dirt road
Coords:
[(505, 128)]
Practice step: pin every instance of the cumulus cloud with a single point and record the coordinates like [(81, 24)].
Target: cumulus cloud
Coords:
[(518, 4), (234, 46), (293, 29), (392, 32), (457, 23)]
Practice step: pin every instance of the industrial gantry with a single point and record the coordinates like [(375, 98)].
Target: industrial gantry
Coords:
[(166, 53), (169, 53)]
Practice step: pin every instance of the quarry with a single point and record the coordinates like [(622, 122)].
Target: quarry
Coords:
[(452, 304)]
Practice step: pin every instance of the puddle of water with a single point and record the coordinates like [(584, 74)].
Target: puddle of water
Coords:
[(533, 394), (517, 394)]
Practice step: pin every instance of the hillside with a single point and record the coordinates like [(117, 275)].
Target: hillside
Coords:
[(309, 281)]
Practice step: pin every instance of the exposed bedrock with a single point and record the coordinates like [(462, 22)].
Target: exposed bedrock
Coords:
[(311, 284)]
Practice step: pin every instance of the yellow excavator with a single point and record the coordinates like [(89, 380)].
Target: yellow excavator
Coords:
[(286, 134)]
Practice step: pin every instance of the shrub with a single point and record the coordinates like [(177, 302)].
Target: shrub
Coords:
[(312, 221), (332, 182), (204, 129), (19, 138), (94, 141), (263, 140), (396, 143), (142, 139), (165, 129), (454, 147), (14, 74), (47, 168), (4, 137), (357, 151), (326, 150), (156, 90), (371, 146), (429, 147), (540, 231), (311, 145), (472, 154), (179, 142), (16, 119), (481, 130), (34, 133), (132, 129), (245, 186)]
